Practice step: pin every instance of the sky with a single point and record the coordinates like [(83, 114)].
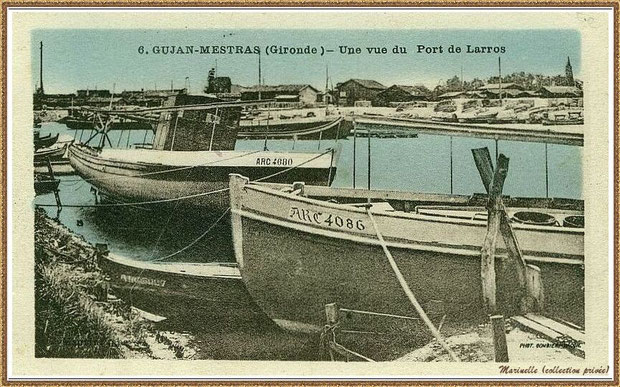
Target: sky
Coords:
[(79, 59)]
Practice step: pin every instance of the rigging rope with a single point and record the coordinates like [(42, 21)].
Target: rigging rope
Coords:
[(195, 240)]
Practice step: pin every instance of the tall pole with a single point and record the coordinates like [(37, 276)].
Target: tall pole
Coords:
[(259, 76), (41, 69), (451, 169), (499, 62), (369, 134), (354, 149), (546, 172)]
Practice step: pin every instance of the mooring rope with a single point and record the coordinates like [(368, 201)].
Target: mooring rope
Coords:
[(408, 292), (194, 241)]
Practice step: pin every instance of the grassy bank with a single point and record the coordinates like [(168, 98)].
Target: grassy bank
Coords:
[(75, 314)]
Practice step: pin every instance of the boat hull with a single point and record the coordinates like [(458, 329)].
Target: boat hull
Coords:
[(160, 183), (45, 141), (315, 130), (51, 154), (328, 253), (179, 291)]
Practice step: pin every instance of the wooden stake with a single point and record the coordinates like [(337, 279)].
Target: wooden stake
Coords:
[(522, 271), (331, 313), (499, 339), (494, 206)]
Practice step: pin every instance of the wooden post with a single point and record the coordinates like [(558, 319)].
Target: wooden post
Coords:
[(499, 339), (535, 290), (331, 313), (354, 149), (482, 158), (487, 266)]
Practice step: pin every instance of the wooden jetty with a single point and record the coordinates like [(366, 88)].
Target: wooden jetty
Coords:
[(530, 133)]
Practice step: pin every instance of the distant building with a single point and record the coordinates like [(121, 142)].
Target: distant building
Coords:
[(302, 94), (560, 92), (357, 90), (455, 95), (93, 93), (400, 93), (219, 85), (504, 86)]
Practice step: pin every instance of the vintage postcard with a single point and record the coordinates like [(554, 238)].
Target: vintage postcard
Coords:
[(302, 194)]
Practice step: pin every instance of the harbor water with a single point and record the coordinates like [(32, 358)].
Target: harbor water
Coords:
[(421, 164)]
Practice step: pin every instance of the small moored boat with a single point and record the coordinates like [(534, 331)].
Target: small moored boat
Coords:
[(44, 141), (176, 290), (314, 130), (50, 153)]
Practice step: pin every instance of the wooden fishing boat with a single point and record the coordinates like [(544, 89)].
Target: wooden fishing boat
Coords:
[(44, 141), (301, 249), (59, 167), (180, 290), (51, 153), (73, 123), (315, 130), (150, 175)]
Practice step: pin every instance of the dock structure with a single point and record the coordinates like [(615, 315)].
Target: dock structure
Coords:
[(529, 133)]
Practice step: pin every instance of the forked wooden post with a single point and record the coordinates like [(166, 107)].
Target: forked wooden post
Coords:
[(528, 276), (494, 206)]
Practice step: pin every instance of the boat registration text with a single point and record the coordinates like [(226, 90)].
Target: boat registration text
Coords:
[(143, 280), (277, 161), (322, 218)]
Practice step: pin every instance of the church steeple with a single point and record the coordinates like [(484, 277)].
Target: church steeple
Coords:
[(570, 81)]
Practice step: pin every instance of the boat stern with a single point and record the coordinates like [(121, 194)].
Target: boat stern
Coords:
[(237, 185)]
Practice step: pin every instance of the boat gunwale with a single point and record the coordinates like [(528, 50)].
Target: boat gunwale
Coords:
[(82, 154), (407, 215), (173, 267), (473, 251)]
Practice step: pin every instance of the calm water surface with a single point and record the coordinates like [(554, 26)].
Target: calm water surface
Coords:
[(409, 164)]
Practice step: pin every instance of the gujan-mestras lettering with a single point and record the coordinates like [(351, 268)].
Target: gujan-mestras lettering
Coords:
[(171, 50)]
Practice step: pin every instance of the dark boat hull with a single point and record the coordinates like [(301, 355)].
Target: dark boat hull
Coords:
[(312, 270), (44, 142), (297, 254), (179, 291), (51, 154), (325, 130), (42, 187)]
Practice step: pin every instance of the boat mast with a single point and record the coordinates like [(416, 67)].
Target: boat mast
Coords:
[(259, 77), (499, 62), (41, 70)]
